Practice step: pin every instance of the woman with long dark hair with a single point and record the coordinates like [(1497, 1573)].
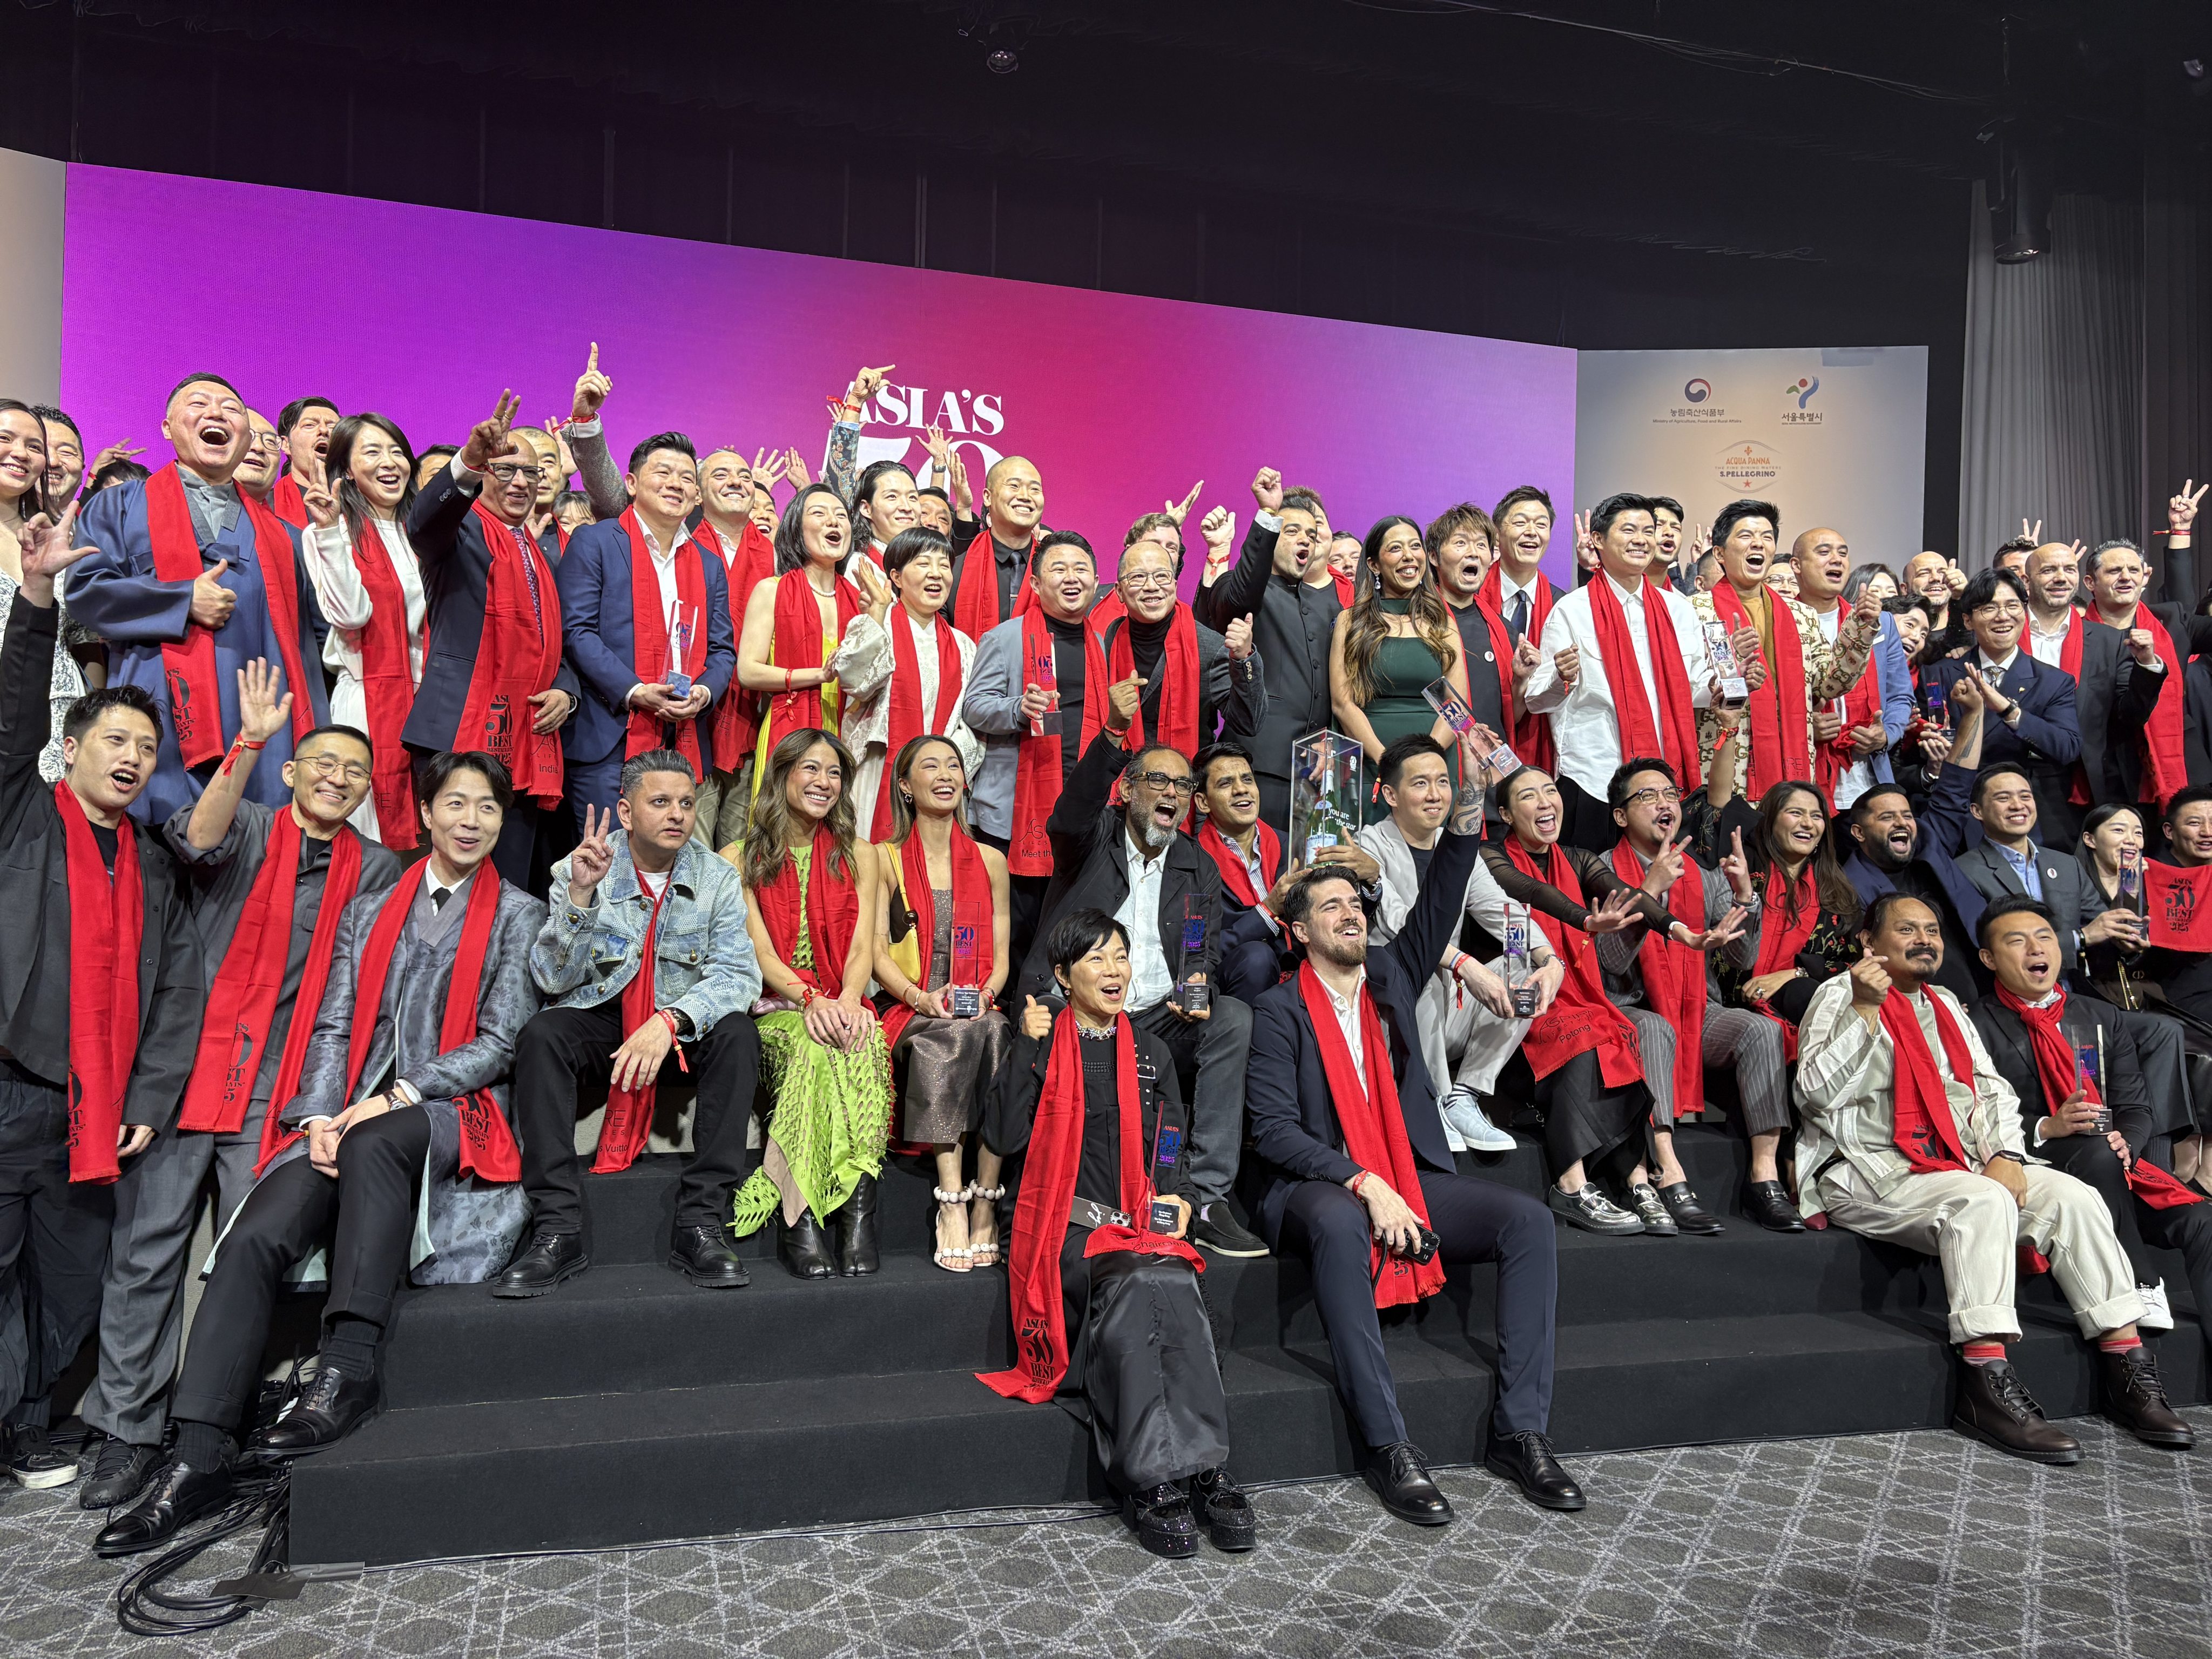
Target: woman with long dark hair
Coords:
[(810, 881), (1809, 925), (1397, 638), (941, 928), (23, 498), (368, 581)]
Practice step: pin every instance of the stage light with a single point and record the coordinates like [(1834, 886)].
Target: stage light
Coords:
[(1002, 60), (2018, 195)]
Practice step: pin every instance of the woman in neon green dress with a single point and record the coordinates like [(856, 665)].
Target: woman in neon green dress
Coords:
[(811, 905)]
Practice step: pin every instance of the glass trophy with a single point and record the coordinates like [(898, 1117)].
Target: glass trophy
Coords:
[(2089, 1069), (965, 991), (1520, 974), (1449, 709), (1193, 996), (1720, 651), (2132, 876), (1326, 799), (1938, 705), (679, 646), (1043, 672)]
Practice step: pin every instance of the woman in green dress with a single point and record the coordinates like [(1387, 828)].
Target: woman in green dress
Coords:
[(1397, 640), (810, 883)]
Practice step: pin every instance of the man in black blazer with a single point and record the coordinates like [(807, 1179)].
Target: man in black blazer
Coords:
[(2019, 945), (2116, 686), (1322, 1205), (2029, 715), (2117, 581), (1129, 860)]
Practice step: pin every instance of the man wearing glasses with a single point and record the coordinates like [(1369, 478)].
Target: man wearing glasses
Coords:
[(494, 678), (266, 885), (1193, 683)]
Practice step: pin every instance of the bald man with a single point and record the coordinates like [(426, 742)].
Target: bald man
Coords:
[(1853, 757), (1928, 575), (264, 453), (985, 591)]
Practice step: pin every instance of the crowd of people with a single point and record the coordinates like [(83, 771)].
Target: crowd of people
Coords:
[(371, 810)]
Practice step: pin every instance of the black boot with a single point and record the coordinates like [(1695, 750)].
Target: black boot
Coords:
[(549, 1260), (1223, 1510), (2135, 1399), (1995, 1407), (702, 1254), (1161, 1518), (856, 1232), (802, 1248)]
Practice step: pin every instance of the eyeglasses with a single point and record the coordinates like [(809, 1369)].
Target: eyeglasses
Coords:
[(1655, 798), (1185, 784), (330, 766), (1143, 581), (507, 473)]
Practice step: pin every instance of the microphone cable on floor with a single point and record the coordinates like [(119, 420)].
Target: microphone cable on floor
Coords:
[(264, 1500)]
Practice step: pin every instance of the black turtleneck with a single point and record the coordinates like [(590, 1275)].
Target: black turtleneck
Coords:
[(1067, 668)]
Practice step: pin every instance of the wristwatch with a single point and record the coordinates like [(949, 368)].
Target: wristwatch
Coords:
[(2014, 1156)]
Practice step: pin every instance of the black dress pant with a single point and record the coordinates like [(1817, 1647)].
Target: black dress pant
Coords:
[(54, 1245), (563, 1048), (1475, 1220), (365, 1214)]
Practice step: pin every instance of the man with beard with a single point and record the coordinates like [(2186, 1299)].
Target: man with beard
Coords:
[(192, 578), (303, 437), (1255, 874), (1193, 683), (1911, 1136), (1360, 1180), (1129, 861), (1851, 741), (2119, 679), (2029, 717), (1292, 617), (2170, 751)]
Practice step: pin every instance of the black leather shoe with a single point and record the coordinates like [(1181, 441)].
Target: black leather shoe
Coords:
[(550, 1261), (1162, 1520), (180, 1496), (1767, 1202), (2135, 1399), (1223, 1510), (330, 1407), (857, 1254), (702, 1254), (1995, 1407), (1401, 1480), (118, 1474), (1526, 1459), (1690, 1216), (803, 1248)]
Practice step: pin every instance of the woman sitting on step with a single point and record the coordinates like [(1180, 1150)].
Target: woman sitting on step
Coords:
[(1105, 1292), (942, 958), (808, 882)]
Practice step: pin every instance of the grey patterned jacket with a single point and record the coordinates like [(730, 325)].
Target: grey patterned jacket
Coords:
[(702, 960)]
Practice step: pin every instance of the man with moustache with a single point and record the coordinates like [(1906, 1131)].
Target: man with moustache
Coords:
[(649, 635), (2120, 681), (494, 678), (303, 436), (1254, 872), (1293, 616), (1852, 742), (267, 886), (2029, 717), (190, 579), (1193, 683), (1911, 1136), (2172, 748)]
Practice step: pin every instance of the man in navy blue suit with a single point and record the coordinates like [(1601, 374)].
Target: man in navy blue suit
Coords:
[(647, 613), (1352, 1221)]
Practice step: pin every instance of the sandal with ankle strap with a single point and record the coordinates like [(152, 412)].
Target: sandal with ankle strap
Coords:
[(953, 1261), (987, 1255)]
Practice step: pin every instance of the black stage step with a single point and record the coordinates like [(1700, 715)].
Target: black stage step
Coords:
[(629, 1406)]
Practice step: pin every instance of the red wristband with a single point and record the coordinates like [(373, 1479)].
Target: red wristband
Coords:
[(1357, 1181), (243, 743)]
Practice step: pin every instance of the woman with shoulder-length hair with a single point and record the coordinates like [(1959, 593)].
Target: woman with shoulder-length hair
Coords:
[(1397, 638), (942, 926), (23, 498), (810, 881), (367, 579), (796, 649), (930, 663)]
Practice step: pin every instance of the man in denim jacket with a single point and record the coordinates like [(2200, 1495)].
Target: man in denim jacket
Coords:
[(647, 885)]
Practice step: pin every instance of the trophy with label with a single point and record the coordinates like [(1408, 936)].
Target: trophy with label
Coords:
[(1938, 705), (1520, 974), (963, 993), (1457, 716), (1193, 996), (679, 646), (2132, 876), (1720, 651), (2089, 1069), (1043, 672), (1326, 802)]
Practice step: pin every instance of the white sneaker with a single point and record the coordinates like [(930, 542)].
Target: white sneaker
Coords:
[(1463, 1111), (2157, 1312)]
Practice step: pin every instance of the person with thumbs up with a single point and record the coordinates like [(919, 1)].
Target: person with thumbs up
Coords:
[(191, 579)]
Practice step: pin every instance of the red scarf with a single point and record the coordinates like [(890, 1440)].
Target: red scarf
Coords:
[(107, 926), (1783, 932), (1346, 589), (737, 716), (1036, 773), (488, 1150), (629, 1120), (1670, 732), (1236, 874), (799, 645), (975, 602), (242, 1004), (285, 501), (2165, 740), (971, 898), (1374, 1125), (1582, 1017), (1674, 974), (1925, 1129), (907, 720), (1532, 733), (517, 658), (833, 911), (649, 645), (195, 693), (387, 683), (1781, 731), (1048, 1195), (1180, 685), (1862, 706)]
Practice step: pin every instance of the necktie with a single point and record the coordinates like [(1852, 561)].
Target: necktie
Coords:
[(439, 896), (522, 545), (1517, 623)]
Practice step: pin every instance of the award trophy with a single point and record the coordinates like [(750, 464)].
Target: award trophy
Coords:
[(1042, 672), (963, 993), (1720, 651), (1939, 706), (2089, 1068), (679, 646), (1457, 716), (1326, 802), (1519, 974), (1193, 997), (2131, 876)]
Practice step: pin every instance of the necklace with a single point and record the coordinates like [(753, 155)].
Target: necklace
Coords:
[(1082, 1030)]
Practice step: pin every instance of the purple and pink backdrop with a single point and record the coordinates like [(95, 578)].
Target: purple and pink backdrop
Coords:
[(1122, 403)]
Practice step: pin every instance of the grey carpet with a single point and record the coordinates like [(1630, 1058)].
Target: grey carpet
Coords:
[(1901, 1544)]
